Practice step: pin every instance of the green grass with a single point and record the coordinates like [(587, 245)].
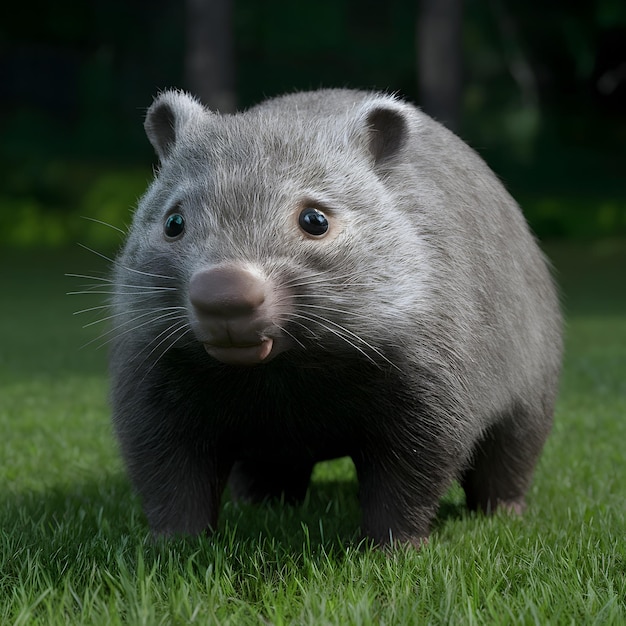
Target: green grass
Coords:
[(75, 548)]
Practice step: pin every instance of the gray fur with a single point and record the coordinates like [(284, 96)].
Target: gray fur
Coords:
[(422, 337)]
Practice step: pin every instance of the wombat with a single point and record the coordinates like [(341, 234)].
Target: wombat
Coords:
[(328, 274)]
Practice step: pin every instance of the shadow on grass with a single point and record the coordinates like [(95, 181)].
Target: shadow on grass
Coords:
[(97, 519), (65, 533)]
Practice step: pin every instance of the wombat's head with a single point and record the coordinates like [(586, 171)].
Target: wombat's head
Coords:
[(277, 230)]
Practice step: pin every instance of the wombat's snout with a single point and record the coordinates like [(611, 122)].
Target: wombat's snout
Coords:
[(228, 302), (226, 292)]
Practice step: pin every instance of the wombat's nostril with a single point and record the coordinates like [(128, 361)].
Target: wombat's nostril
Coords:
[(226, 291)]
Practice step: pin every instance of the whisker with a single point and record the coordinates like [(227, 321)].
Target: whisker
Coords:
[(91, 219), (155, 287), (341, 336), (326, 276), (113, 293), (93, 308), (357, 337), (333, 285), (113, 330), (136, 300), (118, 264), (327, 308), (293, 321), (317, 279), (295, 279), (100, 278), (284, 330), (130, 330), (113, 283), (178, 324), (173, 333), (176, 339), (90, 288), (150, 310)]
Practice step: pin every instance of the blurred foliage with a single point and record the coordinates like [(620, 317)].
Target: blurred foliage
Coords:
[(544, 102), (64, 202)]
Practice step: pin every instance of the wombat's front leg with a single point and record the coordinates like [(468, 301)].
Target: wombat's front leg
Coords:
[(180, 485), (398, 501)]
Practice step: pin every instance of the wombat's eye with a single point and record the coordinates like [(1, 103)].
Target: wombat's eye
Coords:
[(313, 222), (174, 225)]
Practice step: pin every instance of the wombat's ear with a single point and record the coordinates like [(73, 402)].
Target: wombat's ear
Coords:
[(387, 129), (165, 120)]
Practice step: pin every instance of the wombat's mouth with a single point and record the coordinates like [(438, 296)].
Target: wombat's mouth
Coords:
[(242, 355)]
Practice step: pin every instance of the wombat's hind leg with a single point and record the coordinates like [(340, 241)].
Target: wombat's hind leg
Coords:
[(254, 481), (502, 465)]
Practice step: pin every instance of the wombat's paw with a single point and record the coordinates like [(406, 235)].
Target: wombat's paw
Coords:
[(513, 507), (389, 547), (419, 542)]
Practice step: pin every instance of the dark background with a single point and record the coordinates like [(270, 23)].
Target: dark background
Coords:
[(540, 92)]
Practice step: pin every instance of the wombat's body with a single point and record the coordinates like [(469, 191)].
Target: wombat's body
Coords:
[(328, 274)]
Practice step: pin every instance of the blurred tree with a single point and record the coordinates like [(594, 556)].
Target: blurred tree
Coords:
[(439, 59), (540, 89), (514, 54), (209, 57)]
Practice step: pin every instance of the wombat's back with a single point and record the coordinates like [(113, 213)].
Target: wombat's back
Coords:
[(487, 275)]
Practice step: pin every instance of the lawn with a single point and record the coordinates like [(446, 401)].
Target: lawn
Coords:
[(75, 548)]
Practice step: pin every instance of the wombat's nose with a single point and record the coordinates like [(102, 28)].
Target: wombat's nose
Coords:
[(226, 291)]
